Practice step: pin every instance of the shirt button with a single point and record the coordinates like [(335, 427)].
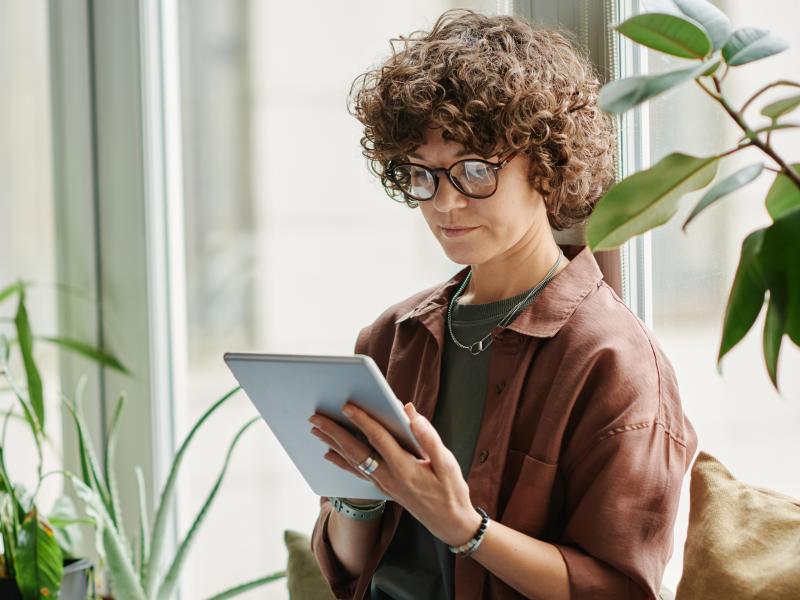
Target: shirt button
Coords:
[(500, 387), (483, 456)]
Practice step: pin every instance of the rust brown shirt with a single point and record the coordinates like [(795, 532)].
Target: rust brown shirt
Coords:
[(583, 441)]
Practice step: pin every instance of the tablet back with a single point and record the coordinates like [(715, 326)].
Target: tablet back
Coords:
[(288, 388)]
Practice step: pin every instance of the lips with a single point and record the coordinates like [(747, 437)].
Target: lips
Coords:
[(458, 231)]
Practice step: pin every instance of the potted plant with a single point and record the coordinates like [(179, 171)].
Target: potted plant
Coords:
[(38, 557), (698, 31)]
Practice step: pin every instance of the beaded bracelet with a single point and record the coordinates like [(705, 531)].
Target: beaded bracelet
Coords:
[(472, 544)]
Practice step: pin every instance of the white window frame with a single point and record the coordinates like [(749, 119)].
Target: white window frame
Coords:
[(615, 56), (119, 225)]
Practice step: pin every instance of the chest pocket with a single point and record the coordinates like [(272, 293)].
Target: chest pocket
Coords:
[(532, 500)]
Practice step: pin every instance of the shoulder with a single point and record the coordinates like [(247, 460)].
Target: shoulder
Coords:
[(625, 376)]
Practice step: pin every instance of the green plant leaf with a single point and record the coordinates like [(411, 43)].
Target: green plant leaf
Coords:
[(777, 109), (6, 485), (8, 527), (750, 44), (120, 566), (91, 470), (667, 33), (715, 23), (647, 199), (774, 328), (39, 562), (5, 350), (159, 531), (778, 258), (108, 466), (623, 94), (783, 195), (144, 525), (99, 356), (27, 410), (747, 294), (34, 380), (12, 289), (167, 587), (724, 187), (246, 587)]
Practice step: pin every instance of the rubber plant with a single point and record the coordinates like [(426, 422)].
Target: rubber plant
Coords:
[(768, 266), (35, 546), (140, 570)]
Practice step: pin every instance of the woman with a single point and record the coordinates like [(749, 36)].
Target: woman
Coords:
[(555, 442)]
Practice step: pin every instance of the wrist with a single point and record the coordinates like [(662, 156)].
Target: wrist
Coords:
[(469, 523), (471, 545)]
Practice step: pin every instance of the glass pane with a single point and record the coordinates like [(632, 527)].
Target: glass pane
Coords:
[(27, 241), (278, 258), (739, 417)]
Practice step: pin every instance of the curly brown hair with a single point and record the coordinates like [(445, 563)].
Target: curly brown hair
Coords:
[(493, 84)]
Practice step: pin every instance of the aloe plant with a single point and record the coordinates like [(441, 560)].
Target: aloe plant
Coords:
[(698, 31), (142, 573)]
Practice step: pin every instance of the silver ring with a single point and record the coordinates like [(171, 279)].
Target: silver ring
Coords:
[(368, 465)]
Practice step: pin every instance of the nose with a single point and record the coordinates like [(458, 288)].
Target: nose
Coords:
[(448, 196)]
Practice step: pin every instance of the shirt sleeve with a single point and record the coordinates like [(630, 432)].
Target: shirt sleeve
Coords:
[(342, 584), (623, 489)]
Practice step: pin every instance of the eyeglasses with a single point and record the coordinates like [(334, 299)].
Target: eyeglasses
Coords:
[(473, 177)]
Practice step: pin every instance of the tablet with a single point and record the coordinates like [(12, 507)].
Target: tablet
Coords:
[(288, 388)]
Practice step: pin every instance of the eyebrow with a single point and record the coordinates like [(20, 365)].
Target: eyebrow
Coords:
[(458, 154)]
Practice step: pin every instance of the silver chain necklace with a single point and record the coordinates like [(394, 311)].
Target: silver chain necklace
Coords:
[(477, 347)]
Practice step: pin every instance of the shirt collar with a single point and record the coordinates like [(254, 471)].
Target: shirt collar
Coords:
[(552, 307)]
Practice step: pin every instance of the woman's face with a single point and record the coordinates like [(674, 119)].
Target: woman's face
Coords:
[(503, 222)]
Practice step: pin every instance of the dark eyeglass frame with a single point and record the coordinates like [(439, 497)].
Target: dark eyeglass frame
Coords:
[(495, 166)]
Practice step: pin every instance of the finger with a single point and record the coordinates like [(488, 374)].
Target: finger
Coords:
[(442, 459), (346, 444), (336, 459), (378, 436), (325, 438)]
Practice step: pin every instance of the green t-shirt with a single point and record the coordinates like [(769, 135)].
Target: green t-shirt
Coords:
[(417, 565)]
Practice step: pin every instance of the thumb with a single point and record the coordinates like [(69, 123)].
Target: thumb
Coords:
[(430, 441)]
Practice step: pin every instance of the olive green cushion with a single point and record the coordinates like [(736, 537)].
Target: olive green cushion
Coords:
[(743, 540), (303, 577)]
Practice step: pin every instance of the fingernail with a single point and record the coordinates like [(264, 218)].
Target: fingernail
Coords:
[(347, 410)]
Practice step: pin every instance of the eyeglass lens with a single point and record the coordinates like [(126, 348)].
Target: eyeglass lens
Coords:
[(475, 178)]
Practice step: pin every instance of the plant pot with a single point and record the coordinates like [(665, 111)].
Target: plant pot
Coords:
[(76, 582)]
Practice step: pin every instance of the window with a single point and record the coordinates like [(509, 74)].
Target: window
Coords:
[(27, 238)]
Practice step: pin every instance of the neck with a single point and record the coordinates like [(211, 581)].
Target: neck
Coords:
[(517, 271)]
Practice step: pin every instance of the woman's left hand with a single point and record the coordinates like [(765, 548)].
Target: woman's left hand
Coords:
[(432, 489)]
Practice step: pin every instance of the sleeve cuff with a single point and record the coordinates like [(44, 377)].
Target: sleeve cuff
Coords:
[(592, 579), (342, 584)]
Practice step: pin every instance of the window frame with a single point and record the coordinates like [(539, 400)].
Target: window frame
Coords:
[(118, 227)]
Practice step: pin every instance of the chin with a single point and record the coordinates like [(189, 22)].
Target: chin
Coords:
[(465, 257)]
